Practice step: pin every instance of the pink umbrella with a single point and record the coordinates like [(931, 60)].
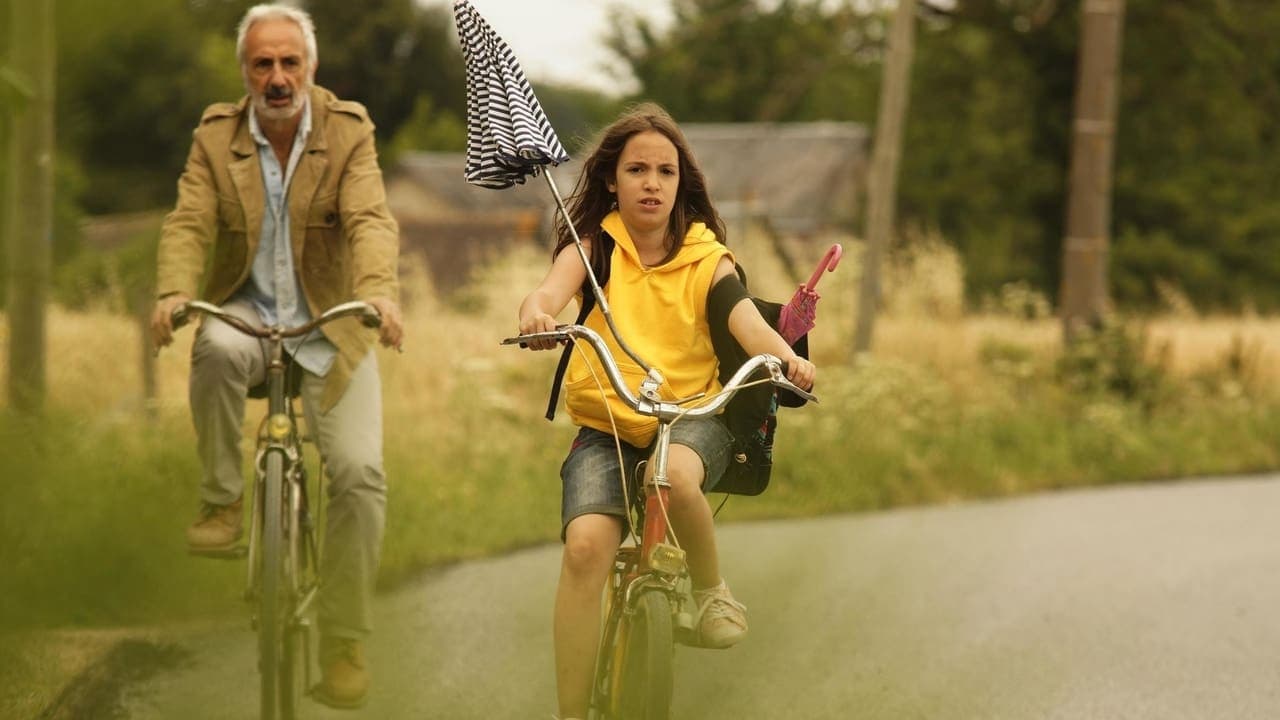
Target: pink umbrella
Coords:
[(798, 315)]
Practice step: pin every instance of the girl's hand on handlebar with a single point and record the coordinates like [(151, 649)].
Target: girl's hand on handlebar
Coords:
[(536, 323), (801, 372)]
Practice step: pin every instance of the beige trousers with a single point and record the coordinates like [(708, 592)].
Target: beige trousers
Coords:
[(224, 365)]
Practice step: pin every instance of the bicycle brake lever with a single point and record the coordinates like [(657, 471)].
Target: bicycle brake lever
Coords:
[(559, 336), (179, 316), (371, 318), (780, 380)]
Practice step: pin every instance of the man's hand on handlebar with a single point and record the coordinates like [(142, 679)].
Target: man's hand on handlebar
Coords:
[(391, 333), (536, 323), (161, 318), (801, 372)]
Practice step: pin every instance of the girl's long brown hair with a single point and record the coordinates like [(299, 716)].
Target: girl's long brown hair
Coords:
[(591, 200)]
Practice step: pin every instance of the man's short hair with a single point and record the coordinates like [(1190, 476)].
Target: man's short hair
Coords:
[(278, 11)]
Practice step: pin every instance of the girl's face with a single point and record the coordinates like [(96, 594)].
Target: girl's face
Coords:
[(646, 181)]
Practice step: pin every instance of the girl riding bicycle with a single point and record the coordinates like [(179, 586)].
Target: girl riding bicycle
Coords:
[(642, 189)]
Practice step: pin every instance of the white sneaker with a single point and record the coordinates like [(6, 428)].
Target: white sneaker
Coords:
[(722, 621)]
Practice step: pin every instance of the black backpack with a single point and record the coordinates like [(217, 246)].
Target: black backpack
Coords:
[(752, 414)]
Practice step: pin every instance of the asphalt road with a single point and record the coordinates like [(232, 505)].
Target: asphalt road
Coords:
[(1160, 601)]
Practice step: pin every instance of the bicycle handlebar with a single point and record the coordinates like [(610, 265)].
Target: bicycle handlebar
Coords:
[(369, 317), (651, 405)]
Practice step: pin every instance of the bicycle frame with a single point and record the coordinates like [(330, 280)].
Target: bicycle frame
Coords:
[(282, 539)]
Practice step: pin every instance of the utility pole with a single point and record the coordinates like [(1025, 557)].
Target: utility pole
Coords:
[(1085, 250), (29, 200), (882, 185)]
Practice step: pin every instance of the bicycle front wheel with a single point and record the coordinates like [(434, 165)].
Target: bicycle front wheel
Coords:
[(643, 651), (293, 673), (271, 605)]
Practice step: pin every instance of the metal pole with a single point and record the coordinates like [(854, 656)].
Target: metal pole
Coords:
[(591, 276)]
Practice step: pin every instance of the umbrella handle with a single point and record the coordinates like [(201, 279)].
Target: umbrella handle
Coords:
[(828, 263)]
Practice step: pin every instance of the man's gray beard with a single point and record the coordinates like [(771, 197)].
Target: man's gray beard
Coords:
[(266, 112)]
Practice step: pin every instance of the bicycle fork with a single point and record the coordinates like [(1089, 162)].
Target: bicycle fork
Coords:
[(656, 553)]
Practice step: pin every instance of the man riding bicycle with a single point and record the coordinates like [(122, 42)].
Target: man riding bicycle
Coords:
[(284, 187)]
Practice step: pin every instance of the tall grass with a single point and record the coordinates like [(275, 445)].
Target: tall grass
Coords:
[(949, 406)]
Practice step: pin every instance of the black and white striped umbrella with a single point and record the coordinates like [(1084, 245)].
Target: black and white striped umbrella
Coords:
[(508, 136)]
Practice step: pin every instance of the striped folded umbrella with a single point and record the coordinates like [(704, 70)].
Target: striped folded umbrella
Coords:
[(508, 136)]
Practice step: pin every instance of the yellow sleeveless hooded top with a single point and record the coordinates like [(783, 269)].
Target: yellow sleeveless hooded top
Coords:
[(661, 312)]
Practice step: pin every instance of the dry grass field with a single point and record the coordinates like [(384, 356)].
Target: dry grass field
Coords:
[(95, 356), (952, 404)]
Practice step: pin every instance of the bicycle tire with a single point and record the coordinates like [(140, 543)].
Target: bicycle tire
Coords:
[(293, 672), (270, 608), (296, 633), (644, 651)]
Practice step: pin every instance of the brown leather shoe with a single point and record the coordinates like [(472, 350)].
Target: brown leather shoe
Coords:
[(218, 527), (345, 683)]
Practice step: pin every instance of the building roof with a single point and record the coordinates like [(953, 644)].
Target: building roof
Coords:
[(800, 176), (443, 191)]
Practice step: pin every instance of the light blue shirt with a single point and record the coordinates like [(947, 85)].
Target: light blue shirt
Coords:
[(273, 287)]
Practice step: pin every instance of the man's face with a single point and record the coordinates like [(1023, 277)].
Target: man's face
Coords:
[(277, 72)]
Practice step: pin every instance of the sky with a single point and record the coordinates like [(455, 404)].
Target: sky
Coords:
[(561, 41)]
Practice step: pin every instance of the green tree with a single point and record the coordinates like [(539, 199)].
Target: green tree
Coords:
[(131, 89), (387, 54), (732, 60), (576, 114), (1198, 155), (987, 140)]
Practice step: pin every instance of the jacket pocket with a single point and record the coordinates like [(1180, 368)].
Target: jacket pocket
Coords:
[(325, 254), (231, 215), (323, 213)]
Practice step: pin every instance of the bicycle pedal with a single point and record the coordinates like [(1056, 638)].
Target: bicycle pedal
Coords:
[(231, 553), (683, 622), (685, 635)]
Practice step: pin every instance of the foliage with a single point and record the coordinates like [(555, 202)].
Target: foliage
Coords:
[(121, 279), (426, 130), (388, 54), (576, 114), (988, 140), (959, 408), (1113, 359), (985, 148), (1198, 160), (888, 432), (732, 60), (118, 494), (131, 87)]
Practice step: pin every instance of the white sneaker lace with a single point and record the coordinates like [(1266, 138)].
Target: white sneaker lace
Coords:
[(717, 604)]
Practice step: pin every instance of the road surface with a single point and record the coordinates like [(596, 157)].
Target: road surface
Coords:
[(1160, 601)]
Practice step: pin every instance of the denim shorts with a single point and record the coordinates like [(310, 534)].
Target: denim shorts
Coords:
[(591, 483)]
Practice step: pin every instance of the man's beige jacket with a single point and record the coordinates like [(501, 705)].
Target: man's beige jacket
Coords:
[(345, 242)]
